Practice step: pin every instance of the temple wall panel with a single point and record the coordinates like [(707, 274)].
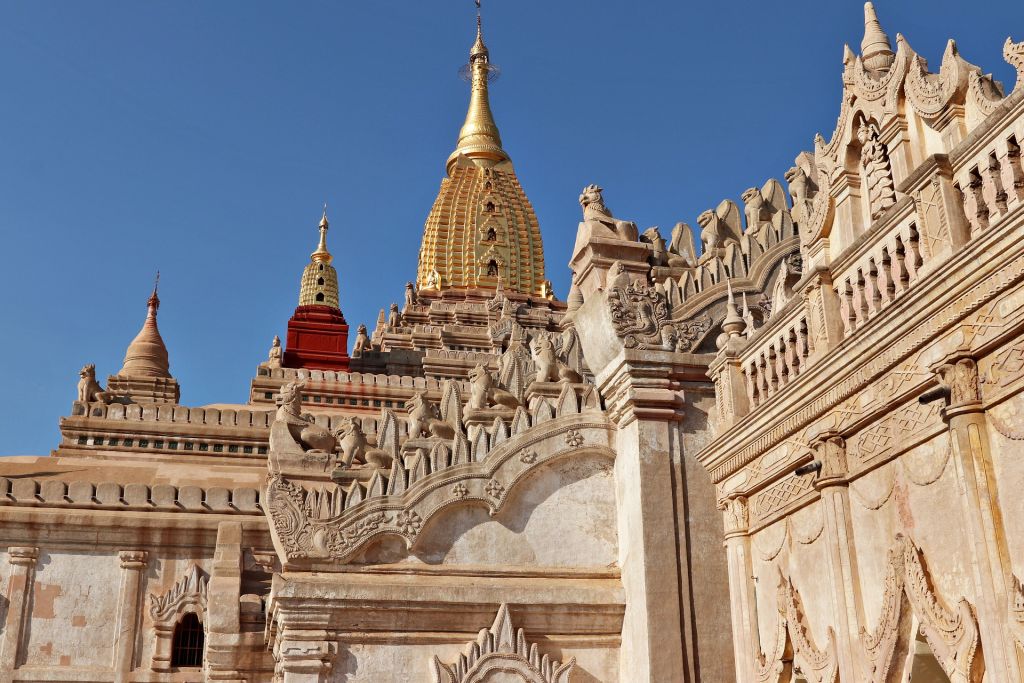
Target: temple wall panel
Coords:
[(74, 598), (768, 554), (377, 662), (564, 516)]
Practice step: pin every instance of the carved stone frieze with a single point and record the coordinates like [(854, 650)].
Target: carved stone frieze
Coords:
[(321, 523), (502, 653)]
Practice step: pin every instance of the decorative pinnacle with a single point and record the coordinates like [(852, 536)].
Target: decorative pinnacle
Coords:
[(154, 300), (479, 139), (733, 324), (321, 254), (875, 49)]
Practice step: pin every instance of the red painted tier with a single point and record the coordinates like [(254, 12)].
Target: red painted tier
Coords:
[(317, 339)]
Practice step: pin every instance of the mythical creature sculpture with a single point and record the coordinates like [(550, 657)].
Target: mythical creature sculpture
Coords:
[(547, 290), (874, 157), (641, 317), (274, 355), (362, 342), (484, 392), (410, 294), (755, 210), (351, 442), (89, 389), (681, 248), (661, 254), (301, 431), (801, 190), (549, 367), (394, 317), (424, 418), (595, 211)]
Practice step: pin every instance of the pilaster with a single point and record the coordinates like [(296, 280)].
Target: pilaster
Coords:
[(23, 561), (223, 611), (133, 564), (824, 319), (742, 595), (832, 482), (642, 401), (731, 395), (990, 561), (304, 656)]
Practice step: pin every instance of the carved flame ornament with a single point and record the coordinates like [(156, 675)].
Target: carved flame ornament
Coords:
[(952, 635), (502, 652), (642, 319)]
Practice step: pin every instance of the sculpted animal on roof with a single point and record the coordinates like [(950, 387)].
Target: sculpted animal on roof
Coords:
[(595, 211), (304, 432), (88, 388)]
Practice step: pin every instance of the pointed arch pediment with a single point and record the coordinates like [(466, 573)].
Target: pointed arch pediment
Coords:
[(504, 649)]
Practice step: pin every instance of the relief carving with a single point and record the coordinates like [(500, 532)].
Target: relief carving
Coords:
[(641, 317), (952, 635), (874, 159), (502, 653)]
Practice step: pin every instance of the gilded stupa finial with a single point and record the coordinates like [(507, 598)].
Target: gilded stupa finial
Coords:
[(321, 254), (479, 139)]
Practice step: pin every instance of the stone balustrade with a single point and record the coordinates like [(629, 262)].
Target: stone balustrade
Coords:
[(781, 353), (880, 270)]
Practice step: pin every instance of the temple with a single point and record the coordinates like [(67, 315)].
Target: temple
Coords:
[(779, 448)]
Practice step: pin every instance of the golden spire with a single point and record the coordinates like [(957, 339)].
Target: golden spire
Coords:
[(321, 255), (875, 49), (319, 285), (479, 139), (147, 355)]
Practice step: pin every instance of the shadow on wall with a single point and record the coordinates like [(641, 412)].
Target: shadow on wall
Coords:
[(562, 515)]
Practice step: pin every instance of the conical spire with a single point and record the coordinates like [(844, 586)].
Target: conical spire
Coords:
[(875, 49), (321, 255), (479, 138), (146, 355), (733, 324)]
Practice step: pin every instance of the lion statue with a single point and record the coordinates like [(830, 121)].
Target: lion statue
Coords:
[(484, 392), (362, 344), (304, 433), (424, 419), (351, 442), (595, 211), (549, 367), (89, 389)]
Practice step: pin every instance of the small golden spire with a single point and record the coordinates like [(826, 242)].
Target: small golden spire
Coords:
[(321, 254), (479, 139)]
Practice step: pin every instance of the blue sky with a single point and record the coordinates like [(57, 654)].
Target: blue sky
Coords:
[(203, 138)]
